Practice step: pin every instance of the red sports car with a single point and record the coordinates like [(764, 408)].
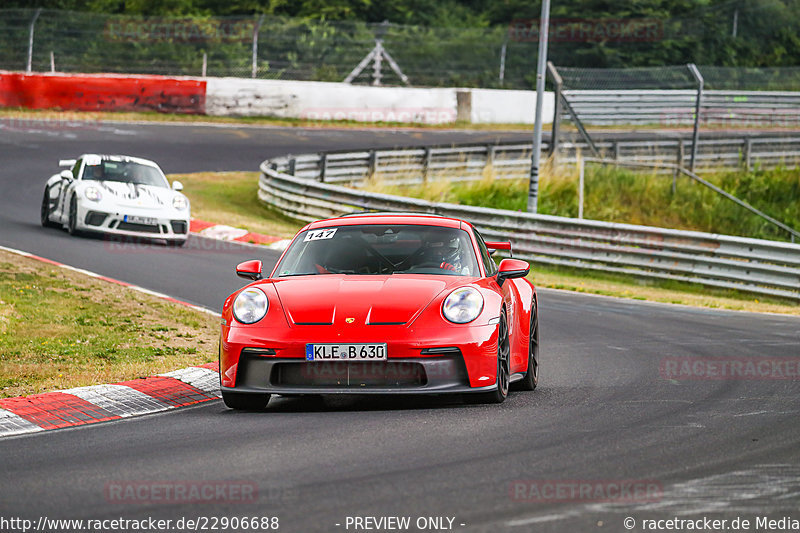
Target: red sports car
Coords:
[(381, 303)]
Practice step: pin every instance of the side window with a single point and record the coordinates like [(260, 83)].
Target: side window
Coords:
[(76, 168), (488, 262)]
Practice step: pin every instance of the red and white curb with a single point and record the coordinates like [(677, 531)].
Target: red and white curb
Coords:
[(102, 403), (229, 233)]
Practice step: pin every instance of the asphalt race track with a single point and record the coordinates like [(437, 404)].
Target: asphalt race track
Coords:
[(608, 414)]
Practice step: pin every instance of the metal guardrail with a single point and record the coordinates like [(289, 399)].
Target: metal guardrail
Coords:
[(677, 107), (512, 161), (758, 266)]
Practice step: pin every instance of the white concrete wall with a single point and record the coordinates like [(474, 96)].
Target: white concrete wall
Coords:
[(341, 101), (500, 106)]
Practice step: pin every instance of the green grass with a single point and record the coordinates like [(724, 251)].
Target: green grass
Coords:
[(646, 198), (231, 198), (60, 329)]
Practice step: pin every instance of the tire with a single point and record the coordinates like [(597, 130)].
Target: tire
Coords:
[(531, 378), (44, 213), (500, 392), (72, 220), (242, 401)]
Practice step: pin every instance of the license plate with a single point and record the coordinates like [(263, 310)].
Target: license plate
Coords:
[(346, 352), (133, 219)]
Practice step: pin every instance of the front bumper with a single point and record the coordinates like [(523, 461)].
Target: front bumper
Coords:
[(115, 221), (458, 359), (435, 375)]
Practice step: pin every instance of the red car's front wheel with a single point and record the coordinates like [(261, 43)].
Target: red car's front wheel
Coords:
[(245, 401), (531, 378), (500, 391)]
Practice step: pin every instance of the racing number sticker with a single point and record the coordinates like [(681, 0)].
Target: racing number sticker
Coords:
[(320, 234)]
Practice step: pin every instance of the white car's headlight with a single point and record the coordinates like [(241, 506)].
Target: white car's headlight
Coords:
[(93, 194), (179, 202), (250, 306), (463, 305)]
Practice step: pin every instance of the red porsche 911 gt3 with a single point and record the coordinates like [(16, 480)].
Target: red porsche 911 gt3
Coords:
[(381, 303)]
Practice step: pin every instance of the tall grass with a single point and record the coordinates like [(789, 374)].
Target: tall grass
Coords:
[(615, 194)]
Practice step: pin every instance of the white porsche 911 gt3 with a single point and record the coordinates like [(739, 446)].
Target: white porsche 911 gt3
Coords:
[(117, 195)]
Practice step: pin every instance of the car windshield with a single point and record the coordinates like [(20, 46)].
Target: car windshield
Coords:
[(381, 249), (124, 172)]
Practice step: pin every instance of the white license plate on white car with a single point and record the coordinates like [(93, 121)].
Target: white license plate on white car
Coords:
[(346, 352), (133, 219)]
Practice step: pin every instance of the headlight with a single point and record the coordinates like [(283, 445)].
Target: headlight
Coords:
[(250, 306), (93, 194), (179, 202), (463, 305)]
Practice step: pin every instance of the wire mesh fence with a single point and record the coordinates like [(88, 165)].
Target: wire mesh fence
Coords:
[(680, 77), (322, 50), (262, 47)]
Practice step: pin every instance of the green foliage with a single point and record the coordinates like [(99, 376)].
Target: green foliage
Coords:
[(437, 42)]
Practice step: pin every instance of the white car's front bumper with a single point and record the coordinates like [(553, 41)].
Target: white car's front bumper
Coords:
[(133, 221)]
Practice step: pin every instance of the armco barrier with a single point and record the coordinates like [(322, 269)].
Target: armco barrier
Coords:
[(102, 93), (677, 107), (415, 165), (758, 266)]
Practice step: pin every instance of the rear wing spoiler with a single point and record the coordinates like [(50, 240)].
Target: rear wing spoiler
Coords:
[(69, 163), (492, 246)]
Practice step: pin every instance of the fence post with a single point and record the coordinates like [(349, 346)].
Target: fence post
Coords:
[(30, 40), (323, 166), (255, 46), (679, 162), (489, 157), (503, 61), (581, 171), (292, 166), (698, 103), (52, 61), (615, 150), (205, 65), (426, 164), (558, 85), (373, 164), (748, 153)]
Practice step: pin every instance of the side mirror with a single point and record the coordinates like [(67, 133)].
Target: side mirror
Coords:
[(66, 175), (249, 270), (510, 269), (177, 185)]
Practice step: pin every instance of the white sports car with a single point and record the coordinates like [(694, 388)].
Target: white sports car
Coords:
[(117, 195)]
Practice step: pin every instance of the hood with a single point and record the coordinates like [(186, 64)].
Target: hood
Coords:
[(134, 194), (372, 300)]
